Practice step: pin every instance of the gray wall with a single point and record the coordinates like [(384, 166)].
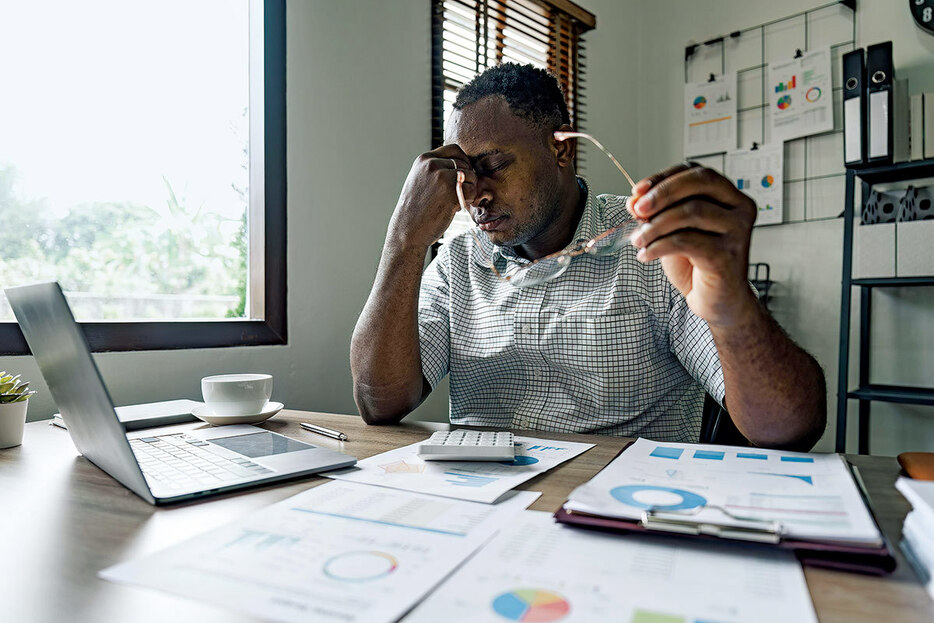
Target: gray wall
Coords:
[(356, 122)]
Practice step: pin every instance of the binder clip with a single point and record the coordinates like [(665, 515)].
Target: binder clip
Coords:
[(712, 78), (754, 147), (741, 528), (798, 53)]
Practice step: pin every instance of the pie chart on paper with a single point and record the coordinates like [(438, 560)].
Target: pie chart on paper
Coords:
[(531, 605)]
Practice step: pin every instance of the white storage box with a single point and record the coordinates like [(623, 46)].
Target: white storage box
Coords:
[(915, 233), (874, 251)]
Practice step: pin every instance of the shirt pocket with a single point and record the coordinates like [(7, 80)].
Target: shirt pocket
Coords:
[(617, 350), (482, 341)]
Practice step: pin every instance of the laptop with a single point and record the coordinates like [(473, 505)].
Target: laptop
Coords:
[(160, 468)]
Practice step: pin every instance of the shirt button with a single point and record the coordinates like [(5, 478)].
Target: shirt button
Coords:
[(537, 375), (526, 328)]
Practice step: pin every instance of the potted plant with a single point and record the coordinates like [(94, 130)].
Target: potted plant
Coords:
[(14, 394)]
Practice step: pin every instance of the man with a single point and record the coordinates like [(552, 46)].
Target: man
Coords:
[(619, 344)]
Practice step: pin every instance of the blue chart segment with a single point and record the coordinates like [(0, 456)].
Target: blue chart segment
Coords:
[(708, 454), (807, 479), (797, 459), (469, 480), (667, 453), (521, 459), (657, 498), (752, 455)]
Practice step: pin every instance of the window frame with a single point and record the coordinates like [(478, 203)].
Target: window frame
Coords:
[(184, 334)]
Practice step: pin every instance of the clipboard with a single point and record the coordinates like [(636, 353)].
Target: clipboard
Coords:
[(872, 559)]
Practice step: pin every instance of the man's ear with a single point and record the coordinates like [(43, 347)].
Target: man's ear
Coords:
[(566, 149)]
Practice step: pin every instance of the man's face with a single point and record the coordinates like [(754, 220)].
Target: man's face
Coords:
[(517, 195)]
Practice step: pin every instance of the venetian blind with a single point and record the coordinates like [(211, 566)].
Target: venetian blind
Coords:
[(468, 36)]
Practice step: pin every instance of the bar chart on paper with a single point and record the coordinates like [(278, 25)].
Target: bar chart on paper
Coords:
[(808, 496), (336, 553)]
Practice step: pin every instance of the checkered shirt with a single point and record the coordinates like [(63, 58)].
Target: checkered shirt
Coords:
[(609, 347)]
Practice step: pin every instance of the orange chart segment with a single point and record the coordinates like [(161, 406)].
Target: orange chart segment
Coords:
[(531, 606)]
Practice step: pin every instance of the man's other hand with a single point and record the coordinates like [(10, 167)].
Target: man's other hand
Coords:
[(699, 225)]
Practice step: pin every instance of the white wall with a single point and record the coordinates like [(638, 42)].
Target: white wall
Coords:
[(805, 258), (356, 122)]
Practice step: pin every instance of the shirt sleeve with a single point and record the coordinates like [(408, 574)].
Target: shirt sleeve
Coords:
[(434, 333), (692, 343)]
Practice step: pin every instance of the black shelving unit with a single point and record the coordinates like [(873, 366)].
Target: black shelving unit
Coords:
[(867, 392)]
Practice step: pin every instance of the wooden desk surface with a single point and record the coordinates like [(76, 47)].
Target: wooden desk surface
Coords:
[(62, 520)]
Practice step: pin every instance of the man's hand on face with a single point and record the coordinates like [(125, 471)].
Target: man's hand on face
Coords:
[(428, 201), (700, 225)]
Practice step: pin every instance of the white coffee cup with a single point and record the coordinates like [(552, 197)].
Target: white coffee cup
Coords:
[(236, 394)]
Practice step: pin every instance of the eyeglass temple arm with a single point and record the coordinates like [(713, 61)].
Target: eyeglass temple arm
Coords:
[(562, 136)]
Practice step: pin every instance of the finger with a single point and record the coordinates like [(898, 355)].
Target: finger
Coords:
[(705, 250), (646, 183), (691, 182), (692, 214), (452, 155)]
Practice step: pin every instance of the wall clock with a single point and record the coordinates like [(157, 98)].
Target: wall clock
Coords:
[(923, 12)]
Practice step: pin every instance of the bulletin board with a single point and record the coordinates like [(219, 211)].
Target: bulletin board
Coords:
[(814, 173)]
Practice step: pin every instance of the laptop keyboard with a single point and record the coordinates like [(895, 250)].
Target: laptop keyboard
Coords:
[(180, 461)]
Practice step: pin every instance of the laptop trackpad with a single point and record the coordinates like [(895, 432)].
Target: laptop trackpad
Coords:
[(260, 444)]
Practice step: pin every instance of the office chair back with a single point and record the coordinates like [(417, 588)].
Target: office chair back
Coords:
[(717, 426)]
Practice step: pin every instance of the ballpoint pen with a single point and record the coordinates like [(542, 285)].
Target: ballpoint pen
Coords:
[(327, 432)]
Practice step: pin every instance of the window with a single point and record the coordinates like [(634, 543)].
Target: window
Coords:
[(469, 36), (144, 167)]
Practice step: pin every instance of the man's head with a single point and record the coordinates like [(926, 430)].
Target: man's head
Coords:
[(526, 194)]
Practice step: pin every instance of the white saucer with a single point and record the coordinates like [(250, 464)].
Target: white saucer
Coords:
[(202, 412)]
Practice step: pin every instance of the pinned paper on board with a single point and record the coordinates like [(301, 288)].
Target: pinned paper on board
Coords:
[(710, 116), (801, 96), (758, 172)]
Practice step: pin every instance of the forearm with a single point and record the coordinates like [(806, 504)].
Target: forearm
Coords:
[(775, 391), (385, 359)]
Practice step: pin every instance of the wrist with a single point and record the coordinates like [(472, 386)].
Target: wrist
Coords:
[(738, 312)]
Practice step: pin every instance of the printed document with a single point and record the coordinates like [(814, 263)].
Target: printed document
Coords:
[(339, 552), (801, 96), (537, 570), (479, 481), (811, 496), (759, 173), (710, 116)]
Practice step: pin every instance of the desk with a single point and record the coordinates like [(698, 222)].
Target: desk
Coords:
[(62, 520)]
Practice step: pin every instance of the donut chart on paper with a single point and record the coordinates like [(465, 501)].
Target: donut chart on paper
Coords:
[(531, 605), (521, 459), (360, 566), (648, 497)]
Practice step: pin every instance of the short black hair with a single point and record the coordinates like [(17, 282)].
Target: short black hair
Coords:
[(531, 92)]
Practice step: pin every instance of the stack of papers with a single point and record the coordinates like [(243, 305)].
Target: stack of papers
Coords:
[(478, 481), (536, 570), (342, 552), (918, 531), (796, 495)]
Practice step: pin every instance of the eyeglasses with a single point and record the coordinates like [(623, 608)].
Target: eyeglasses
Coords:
[(551, 266)]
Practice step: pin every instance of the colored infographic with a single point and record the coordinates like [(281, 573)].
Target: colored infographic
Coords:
[(784, 102), (649, 497), (531, 604), (699, 102), (360, 566)]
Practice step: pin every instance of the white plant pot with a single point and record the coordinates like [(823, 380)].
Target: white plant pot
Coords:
[(12, 421)]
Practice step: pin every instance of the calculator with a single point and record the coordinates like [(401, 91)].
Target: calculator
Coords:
[(468, 445)]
